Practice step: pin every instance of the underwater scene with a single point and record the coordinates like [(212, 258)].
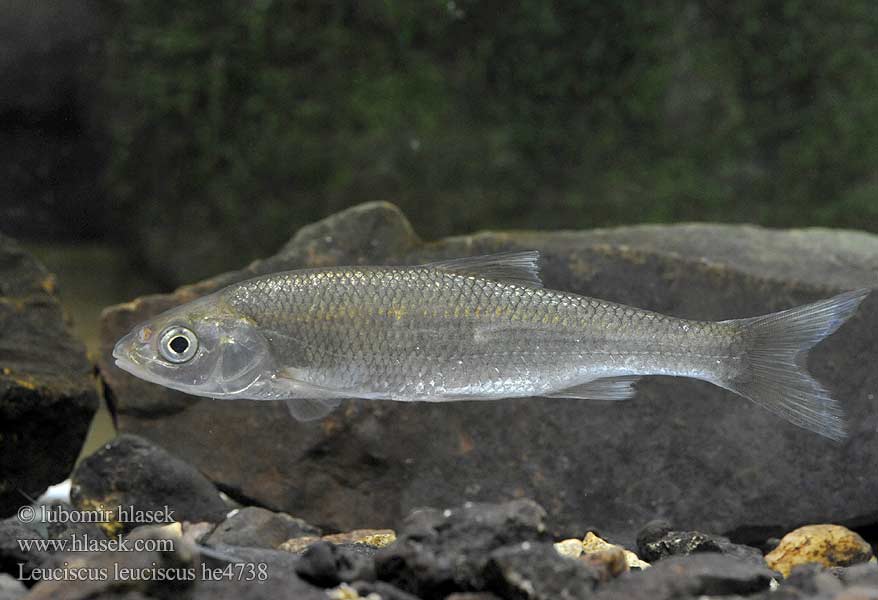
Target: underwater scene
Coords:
[(452, 300)]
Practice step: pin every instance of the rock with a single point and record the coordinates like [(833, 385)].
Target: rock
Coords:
[(68, 528), (275, 560), (298, 545), (280, 585), (261, 528), (177, 571), (377, 538), (439, 553), (123, 596), (472, 596), (858, 593), (812, 580), (360, 541), (828, 545), (815, 582), (166, 572), (15, 560), (607, 563), (862, 574), (571, 548), (131, 472), (604, 552), (11, 588), (535, 571), (48, 392), (695, 575), (651, 533), (383, 590), (196, 533), (690, 452), (675, 543), (326, 565), (363, 550)]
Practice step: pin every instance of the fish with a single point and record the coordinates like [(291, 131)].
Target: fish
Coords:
[(475, 328)]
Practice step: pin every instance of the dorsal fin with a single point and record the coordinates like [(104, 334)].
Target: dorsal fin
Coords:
[(520, 266)]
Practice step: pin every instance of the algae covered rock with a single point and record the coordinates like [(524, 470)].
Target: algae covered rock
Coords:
[(681, 449), (825, 544), (657, 541), (48, 392)]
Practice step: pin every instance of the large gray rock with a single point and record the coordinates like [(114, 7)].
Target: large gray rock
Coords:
[(139, 483), (48, 392), (682, 450), (695, 576)]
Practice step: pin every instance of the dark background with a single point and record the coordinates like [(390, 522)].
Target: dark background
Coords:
[(197, 135)]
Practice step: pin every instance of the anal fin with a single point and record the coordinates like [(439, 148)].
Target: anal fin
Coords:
[(607, 388)]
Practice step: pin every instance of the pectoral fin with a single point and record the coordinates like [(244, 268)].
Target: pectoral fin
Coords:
[(308, 402), (608, 388), (305, 409)]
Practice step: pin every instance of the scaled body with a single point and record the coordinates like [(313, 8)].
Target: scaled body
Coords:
[(469, 329), (432, 334)]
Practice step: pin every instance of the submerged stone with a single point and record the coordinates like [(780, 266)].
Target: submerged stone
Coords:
[(442, 552), (535, 571), (326, 565), (655, 545), (259, 527), (705, 574), (825, 544), (140, 483), (48, 392)]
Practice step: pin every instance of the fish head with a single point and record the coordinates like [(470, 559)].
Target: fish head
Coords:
[(204, 348)]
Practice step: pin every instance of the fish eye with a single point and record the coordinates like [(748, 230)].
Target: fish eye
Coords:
[(178, 344)]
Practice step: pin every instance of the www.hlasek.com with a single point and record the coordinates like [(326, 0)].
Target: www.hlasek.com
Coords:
[(87, 543)]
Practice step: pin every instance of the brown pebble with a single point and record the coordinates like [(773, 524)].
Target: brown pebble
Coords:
[(825, 544)]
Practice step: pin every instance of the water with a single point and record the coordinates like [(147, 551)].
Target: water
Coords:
[(92, 276)]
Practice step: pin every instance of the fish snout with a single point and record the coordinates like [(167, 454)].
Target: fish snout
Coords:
[(123, 346), (130, 349)]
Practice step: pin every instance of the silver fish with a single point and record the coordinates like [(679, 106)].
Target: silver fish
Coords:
[(468, 329)]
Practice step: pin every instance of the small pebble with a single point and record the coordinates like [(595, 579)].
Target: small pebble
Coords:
[(371, 537), (571, 547), (592, 543), (825, 544)]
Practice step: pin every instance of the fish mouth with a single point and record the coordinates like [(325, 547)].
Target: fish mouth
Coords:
[(129, 358), (143, 373), (119, 352)]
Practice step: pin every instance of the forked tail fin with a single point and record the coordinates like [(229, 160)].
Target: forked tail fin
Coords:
[(777, 347)]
